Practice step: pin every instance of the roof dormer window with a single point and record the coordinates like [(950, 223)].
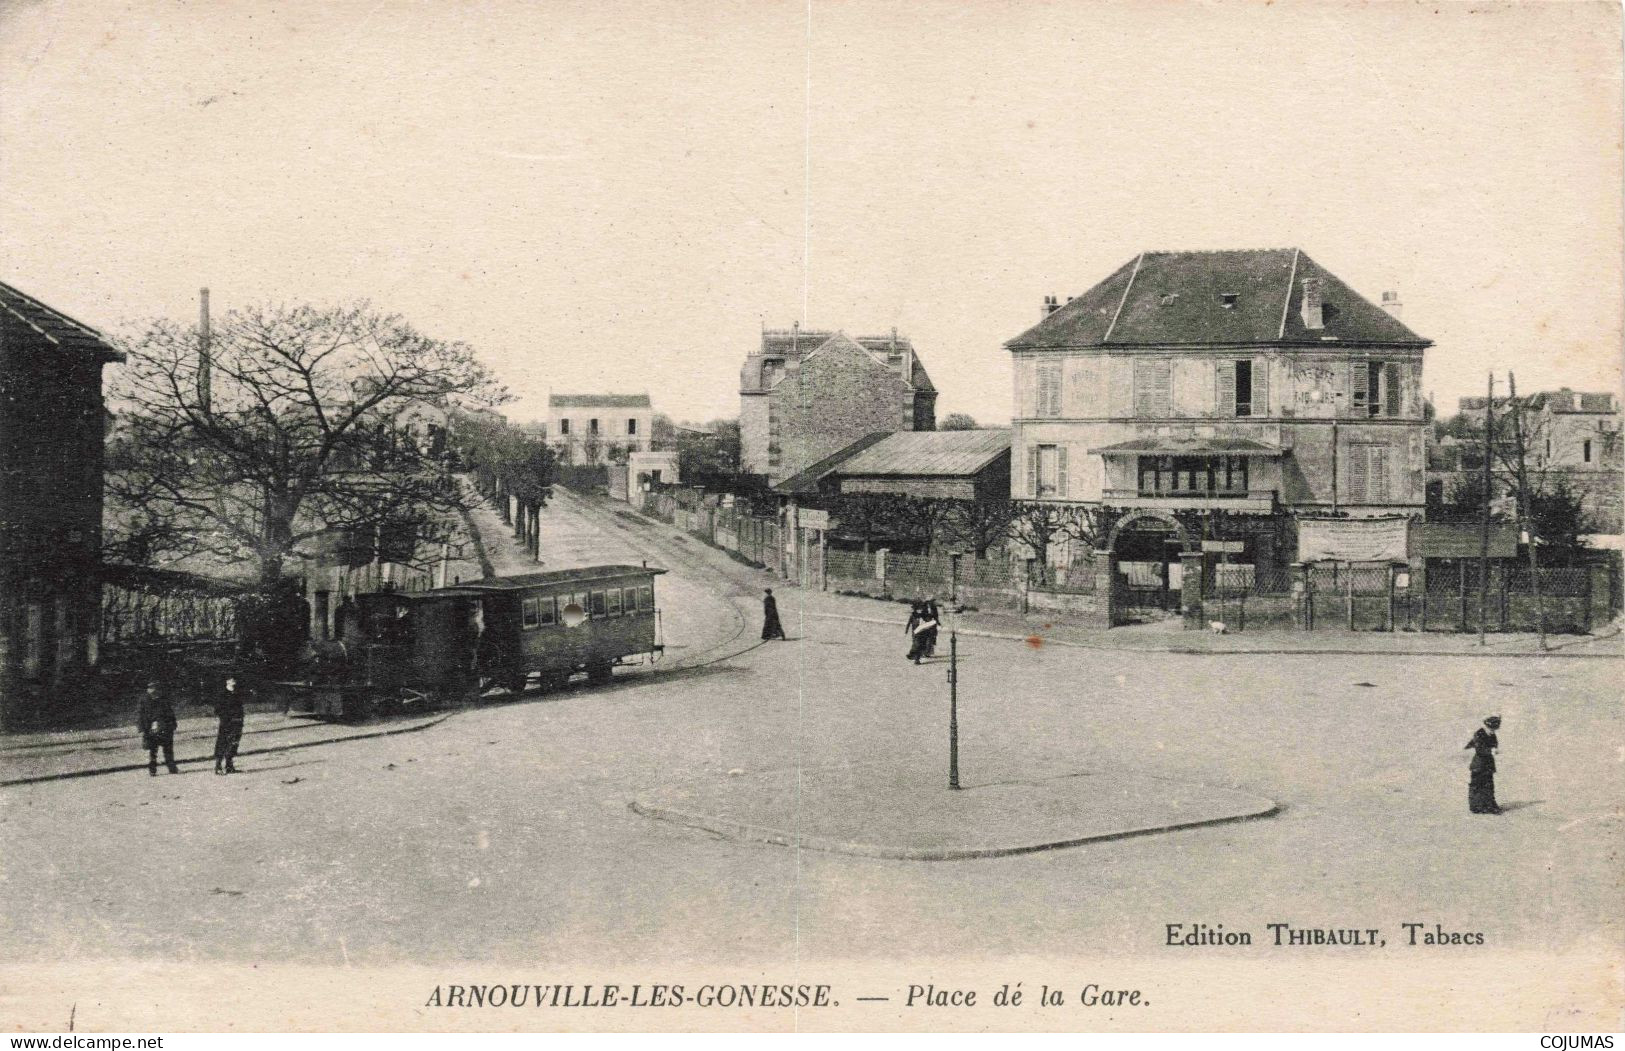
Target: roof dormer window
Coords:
[(1228, 300)]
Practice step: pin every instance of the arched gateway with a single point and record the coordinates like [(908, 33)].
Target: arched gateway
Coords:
[(1144, 548), (1136, 521)]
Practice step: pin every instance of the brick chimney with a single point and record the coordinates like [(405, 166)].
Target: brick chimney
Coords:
[(1313, 317), (1390, 303), (1051, 305)]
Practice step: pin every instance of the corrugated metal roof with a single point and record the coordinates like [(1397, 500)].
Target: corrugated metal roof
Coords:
[(805, 481), (929, 454), (579, 575), (1166, 446)]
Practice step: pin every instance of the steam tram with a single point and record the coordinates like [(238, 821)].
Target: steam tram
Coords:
[(398, 651)]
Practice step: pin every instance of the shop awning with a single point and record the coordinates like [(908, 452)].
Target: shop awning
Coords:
[(1161, 445)]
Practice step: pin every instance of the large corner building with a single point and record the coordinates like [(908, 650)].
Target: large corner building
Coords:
[(1234, 393)]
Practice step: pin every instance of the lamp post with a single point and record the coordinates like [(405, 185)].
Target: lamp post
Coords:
[(953, 678)]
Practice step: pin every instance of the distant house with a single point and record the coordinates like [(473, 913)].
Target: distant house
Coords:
[(806, 394), (599, 428), (1573, 436), (52, 422), (1233, 393)]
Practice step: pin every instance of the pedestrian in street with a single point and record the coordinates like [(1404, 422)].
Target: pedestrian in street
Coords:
[(934, 615), (1481, 773), (156, 720), (228, 708), (771, 628), (919, 630)]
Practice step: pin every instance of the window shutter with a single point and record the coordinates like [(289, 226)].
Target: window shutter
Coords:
[(1152, 394), (1359, 471), (1377, 483), (1391, 396), (1032, 471), (1060, 473), (1049, 389), (1261, 387), (1225, 375)]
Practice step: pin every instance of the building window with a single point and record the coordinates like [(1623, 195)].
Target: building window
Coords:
[(614, 602), (1375, 388), (1585, 451), (1049, 389), (632, 427), (564, 425), (770, 371), (531, 612), (1228, 300), (549, 609), (1193, 475), (1046, 471), (599, 608), (592, 425), (629, 599), (1238, 391), (1153, 389), (646, 598)]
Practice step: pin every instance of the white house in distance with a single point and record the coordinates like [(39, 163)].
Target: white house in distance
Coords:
[(599, 428)]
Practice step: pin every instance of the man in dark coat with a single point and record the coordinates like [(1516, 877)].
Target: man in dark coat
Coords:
[(934, 616), (228, 708), (1481, 774), (771, 628), (156, 721), (919, 628)]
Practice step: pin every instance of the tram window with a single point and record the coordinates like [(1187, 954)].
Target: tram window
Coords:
[(532, 613), (631, 599), (549, 612), (598, 606), (614, 602), (646, 598)]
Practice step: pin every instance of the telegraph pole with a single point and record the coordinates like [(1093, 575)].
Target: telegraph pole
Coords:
[(1484, 524), (953, 706)]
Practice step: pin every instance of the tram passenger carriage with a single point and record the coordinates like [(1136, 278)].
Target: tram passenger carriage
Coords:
[(398, 651)]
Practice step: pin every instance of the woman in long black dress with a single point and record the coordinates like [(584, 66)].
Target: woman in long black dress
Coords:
[(1481, 774)]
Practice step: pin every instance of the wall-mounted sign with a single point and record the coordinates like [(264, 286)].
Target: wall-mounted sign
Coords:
[(1227, 547), (809, 519)]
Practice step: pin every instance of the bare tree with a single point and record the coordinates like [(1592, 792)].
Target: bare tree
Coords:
[(978, 524), (303, 442), (1038, 525)]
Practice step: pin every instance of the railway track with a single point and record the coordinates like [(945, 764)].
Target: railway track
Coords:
[(672, 552)]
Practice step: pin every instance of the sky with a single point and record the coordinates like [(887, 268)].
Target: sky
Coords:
[(607, 196)]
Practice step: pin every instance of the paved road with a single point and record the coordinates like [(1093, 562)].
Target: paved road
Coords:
[(504, 834)]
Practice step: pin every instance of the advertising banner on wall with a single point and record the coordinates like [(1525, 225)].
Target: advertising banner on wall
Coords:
[(1352, 539)]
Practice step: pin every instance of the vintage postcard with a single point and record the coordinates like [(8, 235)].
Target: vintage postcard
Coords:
[(810, 516)]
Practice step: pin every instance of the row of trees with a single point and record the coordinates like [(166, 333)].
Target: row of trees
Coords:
[(890, 520)]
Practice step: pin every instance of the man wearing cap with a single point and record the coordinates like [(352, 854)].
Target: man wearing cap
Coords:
[(1481, 774), (156, 721)]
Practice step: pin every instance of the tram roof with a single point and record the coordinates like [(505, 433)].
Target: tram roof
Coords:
[(579, 575)]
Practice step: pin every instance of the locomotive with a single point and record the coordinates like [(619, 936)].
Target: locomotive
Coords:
[(400, 651)]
